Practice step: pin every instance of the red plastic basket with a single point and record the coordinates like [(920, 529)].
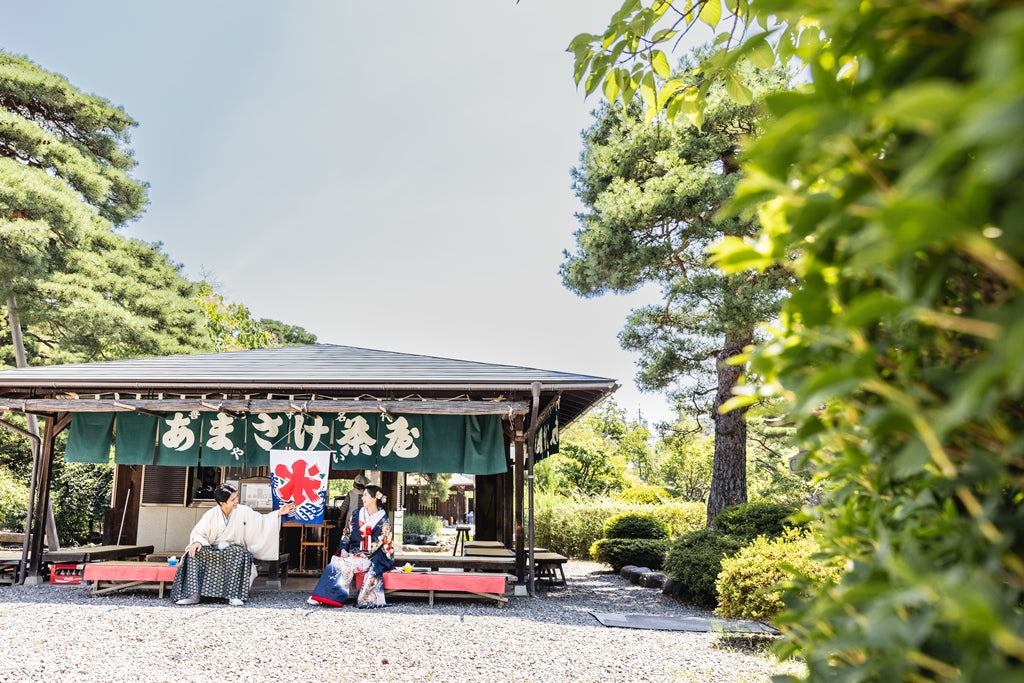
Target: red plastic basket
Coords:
[(66, 573)]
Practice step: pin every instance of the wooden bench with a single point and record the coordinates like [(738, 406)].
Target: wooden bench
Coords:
[(116, 575), (549, 565), (10, 566), (444, 585), (549, 568), (9, 570)]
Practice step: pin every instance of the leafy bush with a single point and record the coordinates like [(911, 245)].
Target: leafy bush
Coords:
[(644, 494), (13, 502), (635, 525), (749, 585), (695, 559), (751, 520), (420, 525), (571, 526), (619, 552), (683, 517), (81, 494)]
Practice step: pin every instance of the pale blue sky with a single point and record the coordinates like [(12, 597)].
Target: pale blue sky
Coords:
[(393, 179)]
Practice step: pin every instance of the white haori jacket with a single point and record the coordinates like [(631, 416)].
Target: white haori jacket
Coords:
[(258, 533)]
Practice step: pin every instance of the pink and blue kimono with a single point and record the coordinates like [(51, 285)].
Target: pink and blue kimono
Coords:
[(368, 541)]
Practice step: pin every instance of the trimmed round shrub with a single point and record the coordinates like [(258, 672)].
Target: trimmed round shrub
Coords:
[(751, 520), (694, 561), (750, 583), (636, 525), (642, 552)]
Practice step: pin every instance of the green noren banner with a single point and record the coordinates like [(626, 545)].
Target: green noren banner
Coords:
[(90, 437), (471, 444), (134, 439), (179, 440), (265, 432)]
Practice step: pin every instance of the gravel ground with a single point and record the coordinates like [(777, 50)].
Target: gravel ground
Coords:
[(59, 633)]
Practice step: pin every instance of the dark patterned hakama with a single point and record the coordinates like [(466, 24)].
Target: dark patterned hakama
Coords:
[(214, 573)]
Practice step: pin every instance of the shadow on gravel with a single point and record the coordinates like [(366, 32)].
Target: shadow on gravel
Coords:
[(589, 588)]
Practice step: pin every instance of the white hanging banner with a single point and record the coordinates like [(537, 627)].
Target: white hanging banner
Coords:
[(300, 477)]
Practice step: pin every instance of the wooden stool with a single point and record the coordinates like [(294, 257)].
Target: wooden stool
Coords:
[(461, 535)]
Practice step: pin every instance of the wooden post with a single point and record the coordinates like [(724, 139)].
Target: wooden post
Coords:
[(126, 502), (40, 505), (518, 488)]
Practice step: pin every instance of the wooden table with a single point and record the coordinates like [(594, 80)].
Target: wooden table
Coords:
[(96, 553), (470, 563)]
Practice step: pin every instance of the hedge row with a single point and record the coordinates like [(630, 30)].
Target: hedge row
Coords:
[(571, 527)]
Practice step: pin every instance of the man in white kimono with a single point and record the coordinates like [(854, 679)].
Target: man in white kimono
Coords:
[(218, 562)]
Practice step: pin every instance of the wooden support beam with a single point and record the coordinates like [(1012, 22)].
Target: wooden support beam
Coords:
[(240, 406)]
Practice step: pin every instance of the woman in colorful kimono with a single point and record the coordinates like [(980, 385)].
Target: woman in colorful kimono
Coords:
[(366, 546), (218, 562)]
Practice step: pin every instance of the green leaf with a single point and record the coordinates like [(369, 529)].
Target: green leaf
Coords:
[(611, 86), (598, 69), (927, 106), (739, 93), (664, 34), (629, 87), (669, 90), (711, 13), (870, 308), (647, 90), (582, 40), (761, 54), (733, 254), (660, 64), (582, 64)]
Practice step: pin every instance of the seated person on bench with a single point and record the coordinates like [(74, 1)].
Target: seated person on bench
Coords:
[(218, 562), (366, 546)]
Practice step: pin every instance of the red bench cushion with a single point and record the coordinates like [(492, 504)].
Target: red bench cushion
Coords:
[(128, 571)]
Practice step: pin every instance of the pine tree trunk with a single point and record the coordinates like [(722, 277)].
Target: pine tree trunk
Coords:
[(729, 472)]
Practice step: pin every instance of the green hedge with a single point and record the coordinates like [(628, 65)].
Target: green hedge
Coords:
[(571, 526), (695, 559), (619, 552), (635, 525), (751, 520)]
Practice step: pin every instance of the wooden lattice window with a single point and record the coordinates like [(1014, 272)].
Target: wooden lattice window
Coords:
[(165, 485)]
